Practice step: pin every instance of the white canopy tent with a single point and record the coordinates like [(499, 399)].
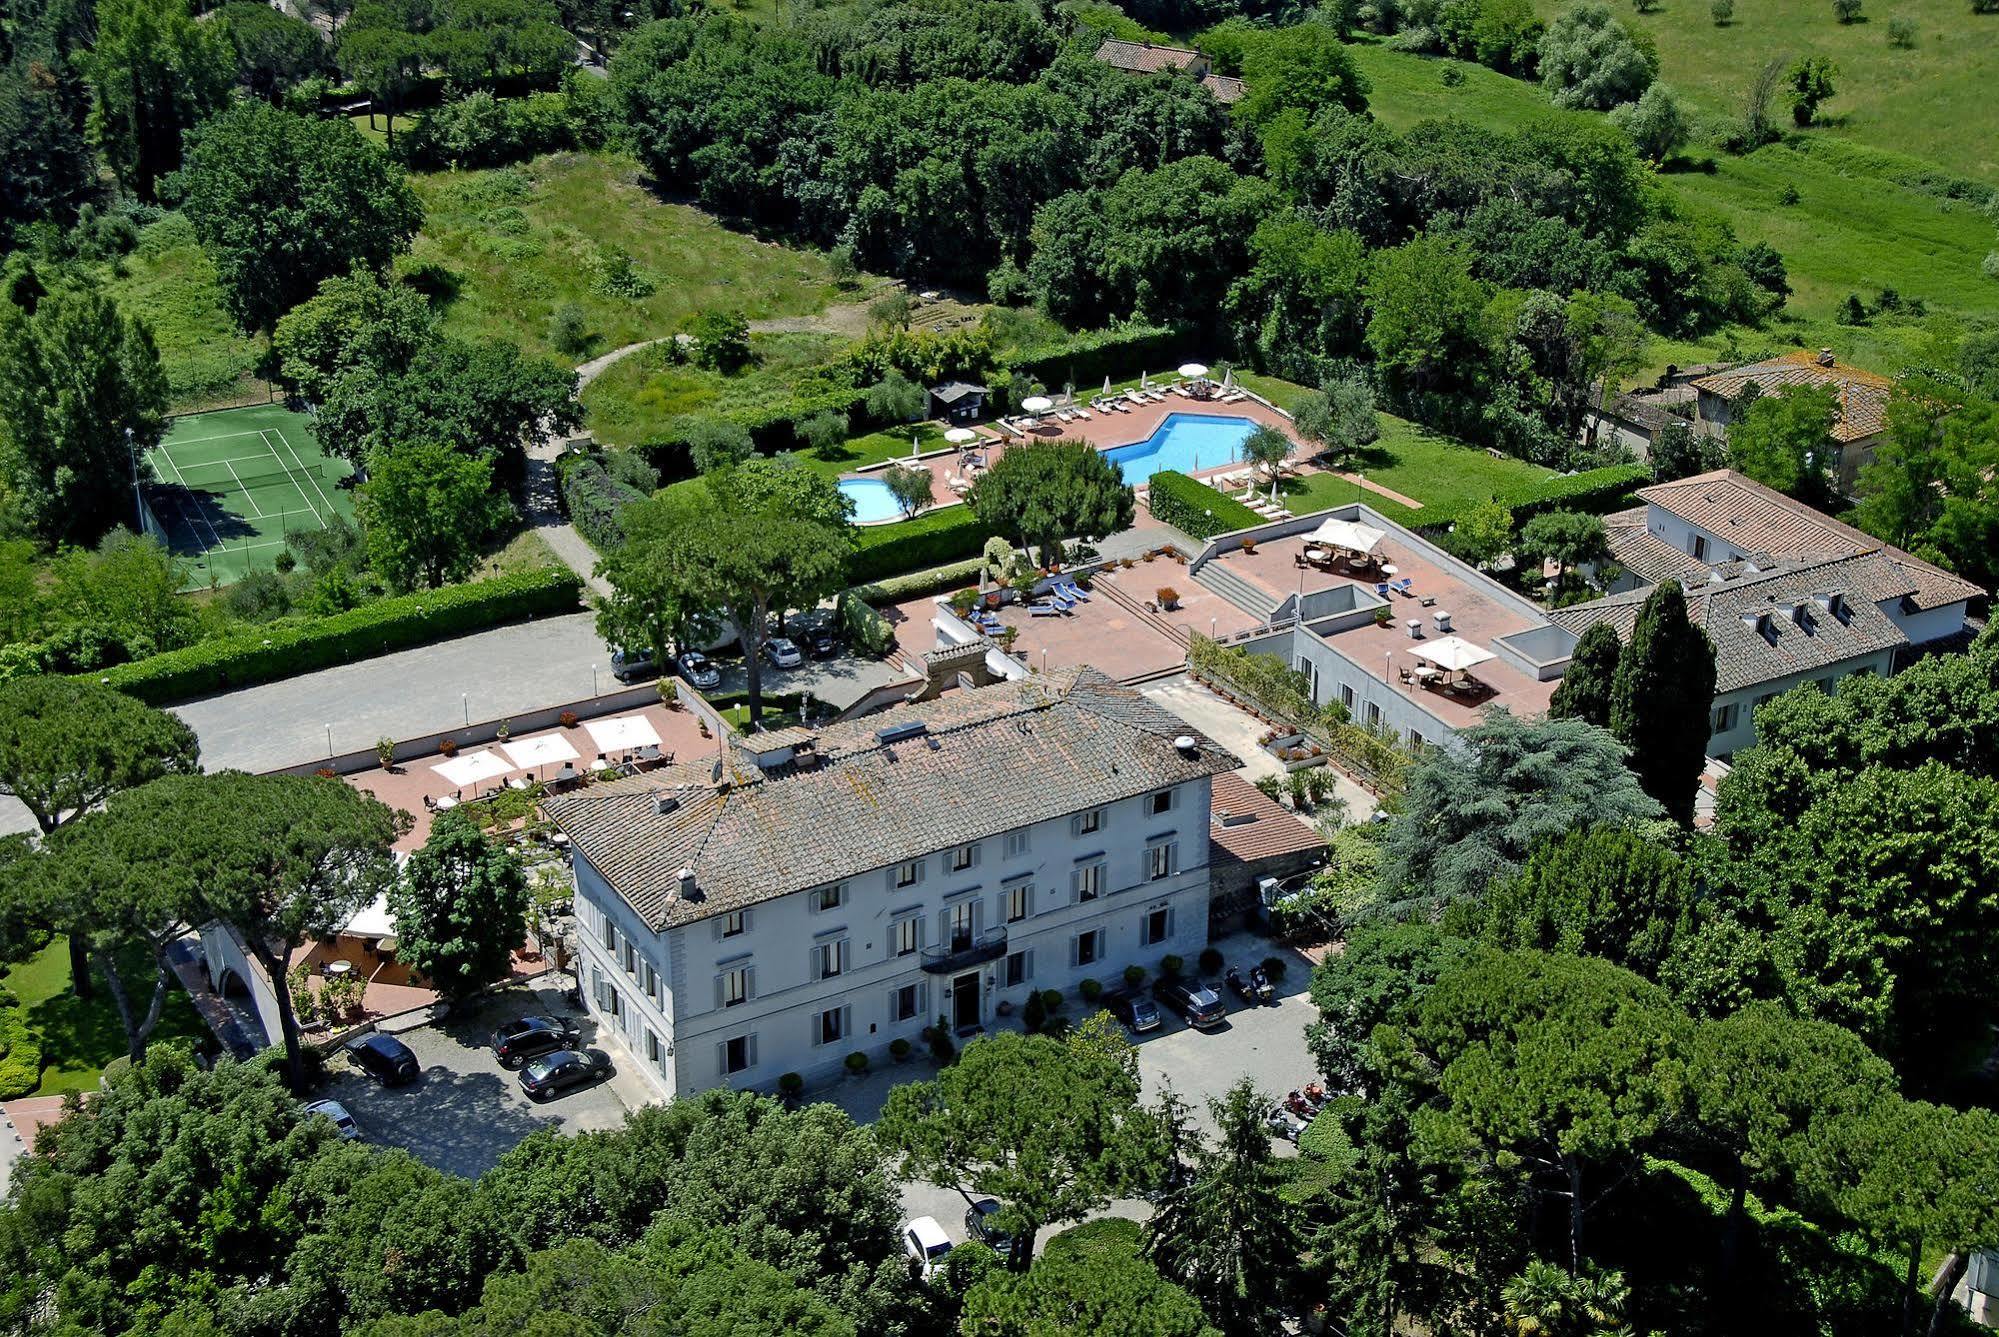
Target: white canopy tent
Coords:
[(1348, 534), (623, 733), (1453, 654), (473, 767), (1193, 371), (541, 750)]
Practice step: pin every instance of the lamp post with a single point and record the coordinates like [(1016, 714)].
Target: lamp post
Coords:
[(138, 506), (329, 742), (465, 704)]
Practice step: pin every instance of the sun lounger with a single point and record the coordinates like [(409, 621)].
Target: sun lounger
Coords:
[(1049, 609), (1081, 414), (1074, 591), (1404, 585), (1381, 588)]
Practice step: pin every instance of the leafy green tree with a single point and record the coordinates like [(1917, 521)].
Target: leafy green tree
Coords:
[(1656, 122), (1267, 448), (1301, 298), (1340, 416), (81, 375), (1427, 314), (1679, 452), (1590, 681), (1591, 61), (715, 444), (274, 50), (482, 398), (1473, 814), (1561, 1070), (47, 169), (1809, 83), (1602, 892), (822, 433), (1662, 699), (1046, 491), (383, 59), (896, 398), (909, 486), (460, 908), (722, 341), (156, 73), (1380, 975), (1093, 1279), (647, 605), (281, 202), (1784, 440), (1567, 538), (1480, 535), (354, 321), (283, 860), (1232, 1238), (1925, 487), (1053, 1131), (1303, 68), (426, 511), (1544, 1299)]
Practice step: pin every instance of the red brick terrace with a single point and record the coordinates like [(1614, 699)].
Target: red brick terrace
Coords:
[(1476, 615)]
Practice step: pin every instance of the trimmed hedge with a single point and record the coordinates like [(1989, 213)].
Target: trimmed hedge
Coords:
[(916, 584), (1186, 505), (274, 652), (945, 535), (1089, 357), (595, 502), (866, 630), (1593, 490)]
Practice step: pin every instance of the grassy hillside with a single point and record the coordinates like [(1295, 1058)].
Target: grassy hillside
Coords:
[(520, 242), (1932, 101), (1863, 220), (170, 283)]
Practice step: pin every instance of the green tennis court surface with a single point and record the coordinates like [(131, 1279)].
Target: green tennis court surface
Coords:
[(226, 489)]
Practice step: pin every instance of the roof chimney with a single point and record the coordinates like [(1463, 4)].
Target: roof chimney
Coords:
[(684, 887), (1825, 357), (662, 804)]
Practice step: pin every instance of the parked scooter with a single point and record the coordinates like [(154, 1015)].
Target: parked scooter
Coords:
[(1315, 1096), (1283, 1123), (1244, 989), (1259, 980)]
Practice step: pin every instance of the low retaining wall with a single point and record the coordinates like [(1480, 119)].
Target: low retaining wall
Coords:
[(483, 731)]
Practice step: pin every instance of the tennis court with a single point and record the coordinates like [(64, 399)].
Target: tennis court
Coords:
[(228, 488)]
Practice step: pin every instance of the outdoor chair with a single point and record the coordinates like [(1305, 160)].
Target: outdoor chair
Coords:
[(1404, 586), (1048, 609), (1074, 591)]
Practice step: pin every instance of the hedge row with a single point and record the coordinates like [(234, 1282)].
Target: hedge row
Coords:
[(270, 653), (916, 584), (1594, 490), (20, 1053), (1195, 508), (945, 535), (595, 501), (772, 427), (1087, 358), (865, 629)]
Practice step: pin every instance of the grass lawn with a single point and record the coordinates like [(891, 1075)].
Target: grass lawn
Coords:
[(637, 398), (79, 1037), (1864, 220), (170, 283), (520, 242)]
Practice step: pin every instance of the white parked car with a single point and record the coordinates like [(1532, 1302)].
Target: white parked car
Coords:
[(783, 652), (926, 1244), (342, 1120)]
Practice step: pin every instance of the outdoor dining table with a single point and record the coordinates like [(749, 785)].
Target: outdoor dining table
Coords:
[(446, 802)]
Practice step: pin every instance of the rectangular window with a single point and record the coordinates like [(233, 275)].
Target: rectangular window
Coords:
[(1415, 741), (1016, 844), (830, 898), (652, 981), (1159, 860), (1090, 821), (1089, 881), (905, 1004), (963, 857), (653, 1051), (735, 1055), (616, 1000), (1089, 947), (1373, 715), (1697, 546), (631, 958), (908, 935), (734, 923), (1159, 803), (830, 958), (832, 1025), (1019, 968), (961, 924), (1019, 903), (1724, 718), (909, 874), (1158, 925), (735, 986), (610, 935), (1346, 697)]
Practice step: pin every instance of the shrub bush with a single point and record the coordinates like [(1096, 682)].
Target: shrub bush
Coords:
[(898, 1048), (1197, 509), (1051, 999), (20, 1054), (866, 630), (1171, 966), (946, 535), (1084, 359), (1134, 976), (1594, 490), (1035, 1014), (1275, 966), (1211, 960), (857, 1062), (791, 1083), (272, 652), (1089, 990), (595, 501), (918, 583)]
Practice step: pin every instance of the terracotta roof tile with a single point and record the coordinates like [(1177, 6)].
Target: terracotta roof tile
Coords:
[(1863, 395), (1144, 57), (1258, 827)]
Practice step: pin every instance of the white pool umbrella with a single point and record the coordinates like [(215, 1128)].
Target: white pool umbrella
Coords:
[(1193, 371), (958, 436), (626, 731), (1348, 534), (473, 767), (541, 750), (1037, 404)]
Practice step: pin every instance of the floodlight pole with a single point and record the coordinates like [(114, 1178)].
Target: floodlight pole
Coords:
[(138, 506)]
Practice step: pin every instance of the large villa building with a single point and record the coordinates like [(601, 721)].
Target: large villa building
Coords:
[(799, 897)]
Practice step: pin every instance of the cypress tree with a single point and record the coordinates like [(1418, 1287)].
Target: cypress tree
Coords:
[(1662, 698), (1585, 690)]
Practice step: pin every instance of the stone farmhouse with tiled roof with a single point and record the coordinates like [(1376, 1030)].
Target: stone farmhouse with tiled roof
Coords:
[(1862, 397), (1787, 594), (1146, 58), (800, 896)]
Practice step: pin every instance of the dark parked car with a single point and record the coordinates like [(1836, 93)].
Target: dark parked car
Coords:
[(699, 670), (565, 1068), (822, 644), (979, 1226), (385, 1058), (1200, 1005), (524, 1037), (1132, 1008), (632, 665)]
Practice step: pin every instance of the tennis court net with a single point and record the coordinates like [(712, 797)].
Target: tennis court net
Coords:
[(226, 477)]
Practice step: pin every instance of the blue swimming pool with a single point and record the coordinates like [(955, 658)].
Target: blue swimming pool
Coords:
[(873, 502), (1185, 441)]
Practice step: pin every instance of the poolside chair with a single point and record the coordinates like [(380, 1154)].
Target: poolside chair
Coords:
[(1046, 609), (1081, 414), (1381, 588), (1064, 415), (1404, 585), (1074, 590)]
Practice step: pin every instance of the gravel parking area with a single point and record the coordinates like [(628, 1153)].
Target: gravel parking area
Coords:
[(466, 1110)]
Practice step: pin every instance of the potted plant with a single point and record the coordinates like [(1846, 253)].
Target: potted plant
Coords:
[(504, 732), (1052, 999), (1148, 555), (898, 1049), (962, 601), (1035, 1014), (567, 719), (789, 1086), (1089, 990), (1211, 960), (857, 1063), (1134, 976), (385, 752), (1170, 967), (1382, 617), (1168, 597), (327, 773), (941, 1046), (1248, 547), (1275, 966), (447, 747)]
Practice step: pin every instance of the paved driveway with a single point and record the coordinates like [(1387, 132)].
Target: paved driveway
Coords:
[(1238, 731), (466, 1110)]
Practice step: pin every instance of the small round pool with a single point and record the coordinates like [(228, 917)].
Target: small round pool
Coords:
[(874, 504)]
